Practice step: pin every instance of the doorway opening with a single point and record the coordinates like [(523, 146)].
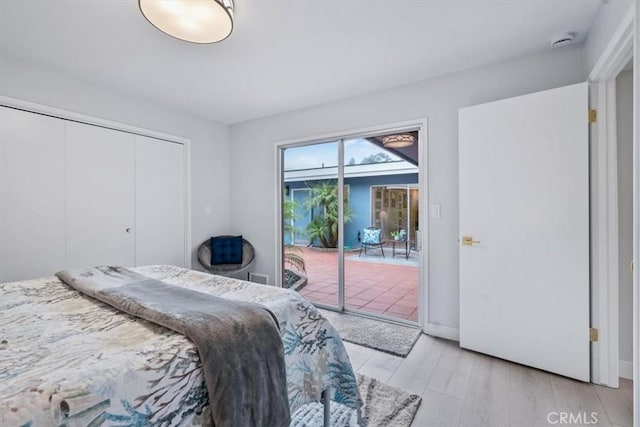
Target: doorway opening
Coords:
[(624, 148)]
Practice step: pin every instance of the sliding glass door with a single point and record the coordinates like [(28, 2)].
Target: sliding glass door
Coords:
[(351, 224), (310, 221)]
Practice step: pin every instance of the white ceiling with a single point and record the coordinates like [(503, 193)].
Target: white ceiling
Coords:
[(283, 54)]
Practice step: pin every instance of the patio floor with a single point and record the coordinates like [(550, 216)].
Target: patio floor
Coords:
[(383, 286)]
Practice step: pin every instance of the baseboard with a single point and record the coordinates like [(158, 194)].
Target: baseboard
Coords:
[(442, 331), (625, 369)]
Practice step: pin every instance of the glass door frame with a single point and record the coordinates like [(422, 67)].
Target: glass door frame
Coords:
[(414, 125)]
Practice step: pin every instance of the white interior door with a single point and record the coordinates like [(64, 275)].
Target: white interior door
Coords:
[(32, 195), (100, 196), (160, 207), (524, 196)]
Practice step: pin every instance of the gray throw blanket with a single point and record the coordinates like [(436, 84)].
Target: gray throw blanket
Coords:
[(238, 342)]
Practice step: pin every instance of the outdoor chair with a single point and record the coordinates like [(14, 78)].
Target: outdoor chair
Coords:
[(206, 259), (372, 237)]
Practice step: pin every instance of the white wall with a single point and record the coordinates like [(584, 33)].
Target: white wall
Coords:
[(209, 140), (607, 20), (253, 153), (624, 112)]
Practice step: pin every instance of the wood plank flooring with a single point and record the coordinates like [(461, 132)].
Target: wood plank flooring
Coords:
[(462, 388)]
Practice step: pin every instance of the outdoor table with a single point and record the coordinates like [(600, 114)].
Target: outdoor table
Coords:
[(400, 242)]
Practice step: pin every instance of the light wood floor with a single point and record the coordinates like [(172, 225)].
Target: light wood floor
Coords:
[(464, 388)]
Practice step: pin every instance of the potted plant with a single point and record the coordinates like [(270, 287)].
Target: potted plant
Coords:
[(395, 235)]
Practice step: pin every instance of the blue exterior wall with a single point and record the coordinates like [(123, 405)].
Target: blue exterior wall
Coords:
[(359, 200)]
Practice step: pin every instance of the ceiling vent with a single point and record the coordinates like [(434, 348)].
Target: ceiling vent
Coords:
[(563, 39)]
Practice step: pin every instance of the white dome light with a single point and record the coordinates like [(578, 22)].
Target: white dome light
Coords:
[(196, 21)]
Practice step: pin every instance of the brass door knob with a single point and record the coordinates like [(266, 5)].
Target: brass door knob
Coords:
[(468, 241)]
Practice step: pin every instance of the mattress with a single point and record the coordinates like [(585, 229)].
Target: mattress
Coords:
[(68, 359)]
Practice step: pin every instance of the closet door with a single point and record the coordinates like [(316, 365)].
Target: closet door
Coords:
[(100, 196), (32, 199), (160, 207), (2, 238)]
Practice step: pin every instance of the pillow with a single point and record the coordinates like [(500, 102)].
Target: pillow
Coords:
[(226, 250), (371, 236)]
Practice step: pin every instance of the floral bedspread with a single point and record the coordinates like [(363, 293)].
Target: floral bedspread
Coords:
[(67, 359)]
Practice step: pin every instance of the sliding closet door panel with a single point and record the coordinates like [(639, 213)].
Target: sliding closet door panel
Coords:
[(2, 197), (2, 136), (160, 208), (33, 195), (100, 196)]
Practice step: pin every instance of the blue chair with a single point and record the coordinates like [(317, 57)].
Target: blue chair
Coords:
[(228, 270), (372, 237)]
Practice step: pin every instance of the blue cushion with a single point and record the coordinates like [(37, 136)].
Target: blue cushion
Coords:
[(226, 250), (371, 236)]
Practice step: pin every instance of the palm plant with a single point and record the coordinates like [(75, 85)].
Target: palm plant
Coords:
[(324, 227), (292, 254)]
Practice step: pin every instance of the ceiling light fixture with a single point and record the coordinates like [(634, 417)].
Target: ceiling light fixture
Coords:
[(398, 141), (195, 21)]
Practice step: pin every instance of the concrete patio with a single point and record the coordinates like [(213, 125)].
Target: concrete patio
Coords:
[(373, 284)]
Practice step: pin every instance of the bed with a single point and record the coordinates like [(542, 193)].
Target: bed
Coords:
[(67, 359)]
